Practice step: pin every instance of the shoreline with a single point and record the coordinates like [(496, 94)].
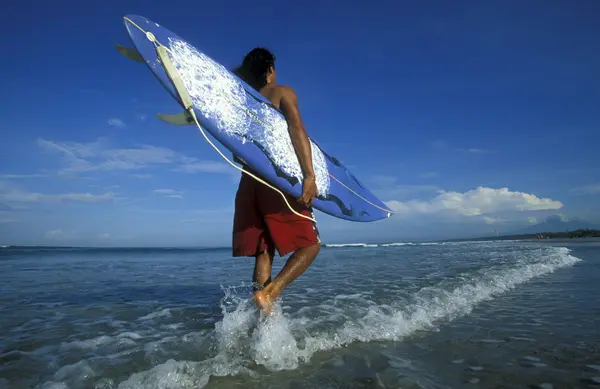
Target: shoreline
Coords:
[(581, 234), (574, 235)]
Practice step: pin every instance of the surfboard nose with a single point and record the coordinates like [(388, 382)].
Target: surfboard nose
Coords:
[(137, 19), (130, 23)]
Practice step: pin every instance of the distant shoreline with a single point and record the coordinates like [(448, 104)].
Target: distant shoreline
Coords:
[(574, 234), (566, 235)]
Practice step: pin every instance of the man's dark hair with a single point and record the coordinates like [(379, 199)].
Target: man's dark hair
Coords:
[(256, 64)]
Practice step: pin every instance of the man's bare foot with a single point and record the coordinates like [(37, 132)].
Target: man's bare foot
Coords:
[(263, 301)]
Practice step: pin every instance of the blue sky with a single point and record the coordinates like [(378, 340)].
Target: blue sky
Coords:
[(465, 117)]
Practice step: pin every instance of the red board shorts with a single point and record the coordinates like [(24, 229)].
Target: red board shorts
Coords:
[(263, 221)]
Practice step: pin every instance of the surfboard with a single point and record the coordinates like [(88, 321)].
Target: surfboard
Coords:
[(245, 122)]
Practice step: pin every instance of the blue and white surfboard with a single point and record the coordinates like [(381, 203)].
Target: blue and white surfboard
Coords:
[(248, 125)]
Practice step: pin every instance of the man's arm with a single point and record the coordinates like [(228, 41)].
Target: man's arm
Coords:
[(289, 107)]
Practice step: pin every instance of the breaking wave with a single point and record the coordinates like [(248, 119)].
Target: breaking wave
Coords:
[(243, 339)]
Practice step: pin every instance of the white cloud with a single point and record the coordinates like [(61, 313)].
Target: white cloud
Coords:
[(142, 176), (97, 156), (476, 202), (116, 122), (491, 220), (205, 167), (428, 175), (532, 220), (12, 195), (136, 158), (587, 190), (165, 191), (19, 176), (473, 150), (59, 234), (33, 197), (103, 236), (441, 144), (170, 193)]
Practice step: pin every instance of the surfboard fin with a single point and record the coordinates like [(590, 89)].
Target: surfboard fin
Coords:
[(180, 119), (130, 53)]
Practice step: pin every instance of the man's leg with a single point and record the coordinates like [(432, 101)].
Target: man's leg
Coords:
[(249, 231), (295, 266), (262, 269), (289, 233)]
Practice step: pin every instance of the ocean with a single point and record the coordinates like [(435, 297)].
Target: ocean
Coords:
[(494, 314)]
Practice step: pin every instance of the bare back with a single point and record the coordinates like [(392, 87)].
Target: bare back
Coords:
[(284, 98)]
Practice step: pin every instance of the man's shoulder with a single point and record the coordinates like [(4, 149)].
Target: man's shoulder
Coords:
[(285, 91), (284, 88)]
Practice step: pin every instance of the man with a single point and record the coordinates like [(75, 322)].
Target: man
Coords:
[(263, 222)]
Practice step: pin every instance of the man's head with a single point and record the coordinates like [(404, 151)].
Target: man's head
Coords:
[(259, 63)]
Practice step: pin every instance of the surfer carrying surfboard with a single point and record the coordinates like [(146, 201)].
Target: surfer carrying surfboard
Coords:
[(263, 222)]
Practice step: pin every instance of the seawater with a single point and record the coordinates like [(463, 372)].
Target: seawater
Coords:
[(450, 315)]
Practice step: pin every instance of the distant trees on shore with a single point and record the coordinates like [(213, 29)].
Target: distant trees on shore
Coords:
[(575, 234), (581, 233)]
